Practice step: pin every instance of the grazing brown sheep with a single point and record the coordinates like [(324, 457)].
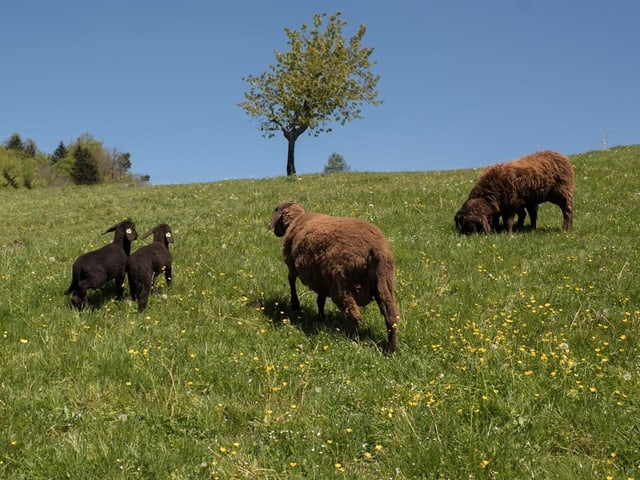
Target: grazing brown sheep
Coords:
[(508, 188), (345, 259)]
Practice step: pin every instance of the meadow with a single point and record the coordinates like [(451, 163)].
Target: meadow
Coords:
[(518, 356)]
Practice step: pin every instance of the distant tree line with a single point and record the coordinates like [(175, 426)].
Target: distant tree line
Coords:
[(84, 162)]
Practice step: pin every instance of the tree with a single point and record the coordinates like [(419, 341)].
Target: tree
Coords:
[(85, 170), (14, 143), (336, 164), (116, 164), (322, 79), (59, 153), (30, 149)]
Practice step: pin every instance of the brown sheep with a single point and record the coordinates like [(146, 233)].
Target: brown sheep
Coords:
[(508, 188), (345, 259)]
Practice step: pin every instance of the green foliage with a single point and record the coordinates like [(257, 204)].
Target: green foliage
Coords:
[(323, 79), (59, 153), (14, 142), (17, 169), (518, 355), (21, 164), (336, 164), (85, 169)]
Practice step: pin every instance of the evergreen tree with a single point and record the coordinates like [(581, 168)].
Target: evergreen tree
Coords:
[(15, 143), (59, 153), (336, 164), (85, 170)]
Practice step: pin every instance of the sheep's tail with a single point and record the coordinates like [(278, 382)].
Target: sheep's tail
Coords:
[(74, 284), (385, 283)]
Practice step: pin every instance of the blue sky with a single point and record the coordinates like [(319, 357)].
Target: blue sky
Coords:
[(465, 83)]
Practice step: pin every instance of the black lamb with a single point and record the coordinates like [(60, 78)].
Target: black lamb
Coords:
[(149, 261), (94, 269)]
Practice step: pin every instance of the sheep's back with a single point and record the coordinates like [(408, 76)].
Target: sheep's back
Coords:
[(108, 261), (155, 254), (534, 178), (325, 251)]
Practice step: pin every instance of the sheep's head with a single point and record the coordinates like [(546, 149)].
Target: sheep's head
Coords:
[(283, 215), (127, 227), (473, 217), (161, 233)]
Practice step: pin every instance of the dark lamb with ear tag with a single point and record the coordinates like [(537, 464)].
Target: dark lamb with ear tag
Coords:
[(93, 269), (146, 263), (345, 259)]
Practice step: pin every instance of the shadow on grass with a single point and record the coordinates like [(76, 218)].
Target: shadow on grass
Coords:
[(278, 310), (527, 229), (97, 298)]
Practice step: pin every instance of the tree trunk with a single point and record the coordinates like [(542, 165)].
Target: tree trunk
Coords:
[(291, 166), (292, 135)]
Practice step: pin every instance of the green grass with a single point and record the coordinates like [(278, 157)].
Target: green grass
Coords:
[(518, 356)]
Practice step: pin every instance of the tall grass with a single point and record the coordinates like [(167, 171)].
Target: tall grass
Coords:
[(519, 356)]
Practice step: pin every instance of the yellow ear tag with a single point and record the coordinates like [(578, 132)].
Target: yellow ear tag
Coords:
[(168, 234)]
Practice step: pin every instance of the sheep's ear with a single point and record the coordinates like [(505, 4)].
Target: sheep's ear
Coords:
[(112, 229), (277, 215), (131, 234), (147, 234), (485, 225), (458, 220)]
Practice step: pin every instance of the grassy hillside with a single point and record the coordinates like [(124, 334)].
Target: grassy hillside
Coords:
[(518, 356)]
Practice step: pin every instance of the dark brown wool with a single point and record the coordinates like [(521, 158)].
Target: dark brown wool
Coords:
[(345, 259), (508, 188)]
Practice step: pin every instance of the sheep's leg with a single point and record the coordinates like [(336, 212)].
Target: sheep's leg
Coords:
[(533, 214), (295, 302), (495, 222), (320, 301), (120, 287), (353, 318), (387, 305), (167, 275), (567, 215), (509, 221), (522, 214), (568, 220), (351, 312), (133, 288), (143, 295), (80, 299), (566, 205)]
